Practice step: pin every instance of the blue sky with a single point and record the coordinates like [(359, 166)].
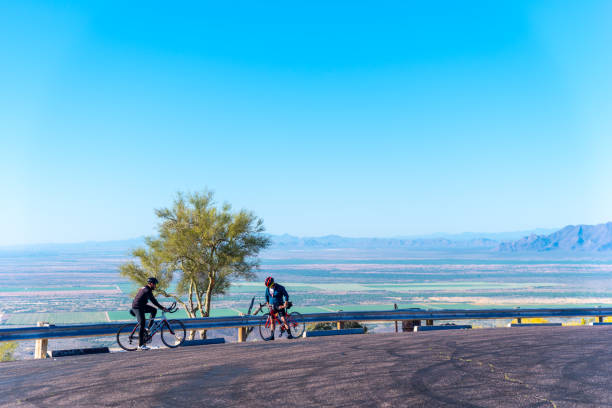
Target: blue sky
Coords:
[(358, 119)]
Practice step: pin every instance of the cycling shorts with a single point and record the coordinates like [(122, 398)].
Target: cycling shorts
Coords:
[(277, 309)]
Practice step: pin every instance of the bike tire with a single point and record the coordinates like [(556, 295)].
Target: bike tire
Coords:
[(296, 324), (127, 336), (173, 333), (265, 329)]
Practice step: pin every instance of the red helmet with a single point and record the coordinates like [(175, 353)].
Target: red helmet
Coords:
[(269, 281)]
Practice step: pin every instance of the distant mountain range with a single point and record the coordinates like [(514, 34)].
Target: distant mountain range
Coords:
[(496, 236), (337, 242), (585, 238), (571, 238)]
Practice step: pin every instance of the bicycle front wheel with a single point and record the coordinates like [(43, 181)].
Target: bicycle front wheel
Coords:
[(296, 324), (173, 333), (127, 336), (265, 329)]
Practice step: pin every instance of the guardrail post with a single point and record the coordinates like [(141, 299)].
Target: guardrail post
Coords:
[(600, 319), (339, 325), (395, 307), (242, 334), (429, 322), (40, 350), (519, 320)]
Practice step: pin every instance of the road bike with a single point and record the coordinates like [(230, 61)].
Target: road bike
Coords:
[(172, 335), (294, 321)]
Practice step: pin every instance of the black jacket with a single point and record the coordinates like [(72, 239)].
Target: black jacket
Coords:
[(142, 298)]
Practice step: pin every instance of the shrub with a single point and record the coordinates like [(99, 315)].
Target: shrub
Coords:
[(320, 326), (6, 350), (332, 326)]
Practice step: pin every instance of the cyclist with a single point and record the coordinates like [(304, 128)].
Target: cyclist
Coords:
[(140, 307), (277, 299)]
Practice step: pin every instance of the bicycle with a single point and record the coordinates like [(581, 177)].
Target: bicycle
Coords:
[(172, 335), (294, 321)]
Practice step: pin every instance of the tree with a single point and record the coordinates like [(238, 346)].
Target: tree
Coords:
[(204, 246)]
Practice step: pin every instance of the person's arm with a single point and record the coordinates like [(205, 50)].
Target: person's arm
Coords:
[(267, 296), (154, 301)]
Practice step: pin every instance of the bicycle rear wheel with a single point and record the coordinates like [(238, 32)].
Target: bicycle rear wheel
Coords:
[(265, 329), (127, 336), (173, 333), (296, 324)]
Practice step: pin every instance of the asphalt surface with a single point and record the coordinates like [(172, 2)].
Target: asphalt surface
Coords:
[(506, 367)]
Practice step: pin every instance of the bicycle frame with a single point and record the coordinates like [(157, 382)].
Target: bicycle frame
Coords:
[(274, 317), (155, 327)]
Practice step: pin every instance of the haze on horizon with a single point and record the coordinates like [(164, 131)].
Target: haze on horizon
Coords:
[(400, 120)]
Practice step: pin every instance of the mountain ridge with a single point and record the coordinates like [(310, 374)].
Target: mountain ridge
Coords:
[(571, 238), (584, 238)]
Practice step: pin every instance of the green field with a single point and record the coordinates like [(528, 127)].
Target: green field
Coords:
[(10, 289), (330, 286), (56, 318)]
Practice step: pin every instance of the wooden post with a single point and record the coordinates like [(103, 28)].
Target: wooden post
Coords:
[(339, 325), (242, 334), (40, 349), (600, 319), (519, 320), (429, 322), (395, 306)]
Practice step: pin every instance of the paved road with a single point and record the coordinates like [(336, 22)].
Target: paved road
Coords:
[(506, 367)]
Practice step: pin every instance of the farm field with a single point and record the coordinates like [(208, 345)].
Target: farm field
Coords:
[(71, 287), (85, 287)]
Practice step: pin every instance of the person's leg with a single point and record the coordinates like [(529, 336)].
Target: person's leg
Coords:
[(285, 322), (153, 311), (281, 313), (283, 319), (272, 321), (140, 316)]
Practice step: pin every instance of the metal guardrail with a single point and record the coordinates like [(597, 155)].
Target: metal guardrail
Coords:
[(108, 329)]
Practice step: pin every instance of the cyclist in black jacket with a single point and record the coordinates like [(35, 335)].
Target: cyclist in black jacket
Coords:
[(140, 307)]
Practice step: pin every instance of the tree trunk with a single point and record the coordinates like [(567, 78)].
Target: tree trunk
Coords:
[(191, 295), (207, 299), (191, 312), (198, 295), (190, 333), (209, 289)]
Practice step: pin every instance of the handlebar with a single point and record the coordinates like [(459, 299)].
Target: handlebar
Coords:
[(173, 308)]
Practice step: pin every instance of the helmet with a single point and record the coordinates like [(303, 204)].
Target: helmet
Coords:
[(152, 280), (269, 281)]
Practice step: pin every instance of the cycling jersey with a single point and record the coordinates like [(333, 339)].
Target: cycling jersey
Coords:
[(143, 297), (278, 294)]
